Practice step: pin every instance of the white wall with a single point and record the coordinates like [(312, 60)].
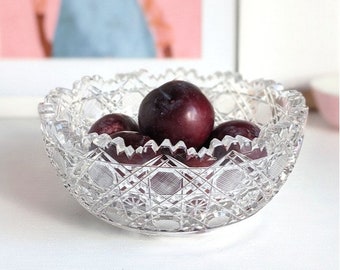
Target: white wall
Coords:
[(288, 40)]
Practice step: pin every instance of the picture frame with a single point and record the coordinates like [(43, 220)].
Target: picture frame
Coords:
[(24, 82)]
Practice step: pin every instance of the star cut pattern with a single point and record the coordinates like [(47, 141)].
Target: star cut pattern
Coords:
[(164, 195)]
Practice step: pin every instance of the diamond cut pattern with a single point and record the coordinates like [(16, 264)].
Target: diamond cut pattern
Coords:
[(164, 195)]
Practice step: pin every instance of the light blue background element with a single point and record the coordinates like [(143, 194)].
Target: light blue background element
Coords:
[(106, 28)]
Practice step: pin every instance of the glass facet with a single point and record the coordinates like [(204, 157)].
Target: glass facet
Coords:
[(160, 193)]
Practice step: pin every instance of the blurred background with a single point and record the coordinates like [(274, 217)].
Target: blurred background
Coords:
[(111, 28), (292, 42), (296, 43)]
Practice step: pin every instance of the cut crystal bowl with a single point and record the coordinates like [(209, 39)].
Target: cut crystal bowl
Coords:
[(161, 193)]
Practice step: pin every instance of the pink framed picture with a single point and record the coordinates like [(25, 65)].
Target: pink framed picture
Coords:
[(113, 29), (51, 43)]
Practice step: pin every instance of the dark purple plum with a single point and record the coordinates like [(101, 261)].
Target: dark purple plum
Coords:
[(133, 139), (234, 128), (200, 162), (178, 111), (112, 123), (191, 161)]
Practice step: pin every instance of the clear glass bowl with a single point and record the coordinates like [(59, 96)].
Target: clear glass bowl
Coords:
[(164, 194)]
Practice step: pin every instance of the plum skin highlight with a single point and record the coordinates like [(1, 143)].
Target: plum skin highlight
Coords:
[(178, 111), (112, 123)]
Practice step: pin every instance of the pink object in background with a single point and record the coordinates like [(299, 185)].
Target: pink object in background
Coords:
[(19, 33), (325, 90), (175, 22), (51, 13), (185, 20)]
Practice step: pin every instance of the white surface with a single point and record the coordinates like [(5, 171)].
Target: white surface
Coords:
[(287, 40), (42, 227)]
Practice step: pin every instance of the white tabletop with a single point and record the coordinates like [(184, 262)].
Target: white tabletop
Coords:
[(43, 227)]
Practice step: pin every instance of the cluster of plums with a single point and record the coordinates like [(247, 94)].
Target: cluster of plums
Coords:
[(177, 111)]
